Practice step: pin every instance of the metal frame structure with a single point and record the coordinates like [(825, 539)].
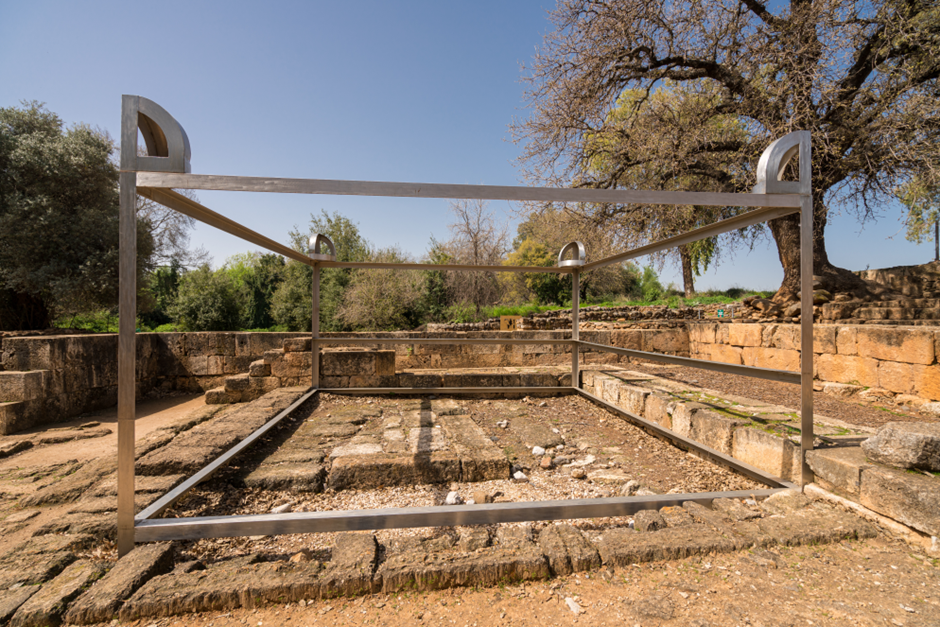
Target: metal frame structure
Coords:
[(166, 166)]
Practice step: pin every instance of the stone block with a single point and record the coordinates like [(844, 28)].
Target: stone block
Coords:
[(297, 345), (896, 376), (744, 334), (11, 600), (633, 399), (102, 601), (767, 451), (196, 365), (810, 527), (259, 369), (347, 363), (927, 381), (21, 386), (727, 354), (904, 496), (220, 344), (847, 369), (786, 337), (896, 344), (847, 341), (714, 430), (221, 396), (647, 520), (567, 550), (624, 547), (775, 358), (906, 445), (630, 339), (14, 417), (273, 355), (659, 409), (702, 332), (682, 417), (385, 363), (824, 338), (838, 469), (215, 365), (667, 341), (238, 383), (47, 606)]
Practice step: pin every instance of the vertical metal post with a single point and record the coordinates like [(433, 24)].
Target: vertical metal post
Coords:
[(315, 328), (806, 308), (127, 325), (575, 335)]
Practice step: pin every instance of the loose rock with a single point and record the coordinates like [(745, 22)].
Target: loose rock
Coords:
[(906, 445)]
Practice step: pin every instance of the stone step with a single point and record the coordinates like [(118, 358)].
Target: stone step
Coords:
[(897, 313)]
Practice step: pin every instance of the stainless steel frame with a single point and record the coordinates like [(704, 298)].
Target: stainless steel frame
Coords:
[(166, 166)]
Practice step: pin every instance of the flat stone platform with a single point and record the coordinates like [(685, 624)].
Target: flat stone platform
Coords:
[(365, 446)]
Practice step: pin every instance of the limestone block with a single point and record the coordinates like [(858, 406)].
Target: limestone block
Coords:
[(631, 339), (633, 399), (13, 417), (237, 383), (702, 332), (727, 354), (896, 376), (927, 381), (21, 386), (196, 365), (682, 417), (906, 445), (47, 606), (671, 342), (838, 468), (906, 497), (824, 338), (385, 363), (610, 391), (221, 396), (894, 344), (714, 430), (259, 369), (786, 337), (744, 334), (297, 345), (847, 341), (347, 363), (778, 359), (847, 369), (220, 344), (767, 451), (215, 365), (659, 409)]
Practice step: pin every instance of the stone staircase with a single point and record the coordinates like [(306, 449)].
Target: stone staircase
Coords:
[(909, 311)]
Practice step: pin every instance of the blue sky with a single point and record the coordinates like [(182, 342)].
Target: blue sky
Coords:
[(416, 91)]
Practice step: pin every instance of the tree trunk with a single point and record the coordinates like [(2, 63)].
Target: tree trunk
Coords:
[(688, 277), (786, 232)]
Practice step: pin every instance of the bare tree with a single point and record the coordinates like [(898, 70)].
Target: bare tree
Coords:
[(476, 239), (170, 231), (860, 75)]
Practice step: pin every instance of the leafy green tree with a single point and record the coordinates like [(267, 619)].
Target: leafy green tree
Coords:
[(546, 288), (162, 290), (257, 277), (383, 300), (291, 304), (207, 301), (58, 219), (437, 292), (923, 213)]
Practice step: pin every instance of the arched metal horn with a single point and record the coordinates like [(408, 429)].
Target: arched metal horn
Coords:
[(775, 159), (167, 143), (313, 248), (579, 254)]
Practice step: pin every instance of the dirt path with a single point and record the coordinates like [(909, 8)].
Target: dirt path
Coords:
[(875, 582), (151, 414)]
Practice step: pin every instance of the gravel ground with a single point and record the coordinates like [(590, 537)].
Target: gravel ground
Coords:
[(856, 412), (596, 441)]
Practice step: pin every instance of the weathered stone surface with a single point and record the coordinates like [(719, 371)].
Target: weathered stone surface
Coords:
[(567, 550), (676, 516), (300, 476), (905, 496), (906, 445), (648, 520), (47, 606), (224, 587), (714, 430), (101, 602), (903, 345), (734, 509), (535, 434), (815, 527), (838, 469), (769, 452), (380, 469), (11, 600), (473, 539), (785, 502), (351, 566), (12, 448), (623, 547), (72, 486)]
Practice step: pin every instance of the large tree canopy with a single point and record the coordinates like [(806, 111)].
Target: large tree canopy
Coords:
[(58, 219), (861, 75)]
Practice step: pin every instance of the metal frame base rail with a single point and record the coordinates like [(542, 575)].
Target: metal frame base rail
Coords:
[(561, 389), (402, 518)]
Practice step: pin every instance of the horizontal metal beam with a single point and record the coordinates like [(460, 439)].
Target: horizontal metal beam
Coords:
[(722, 226), (564, 389), (408, 517), (784, 376), (687, 444), (439, 340), (187, 206), (476, 192), (367, 265), (176, 493)]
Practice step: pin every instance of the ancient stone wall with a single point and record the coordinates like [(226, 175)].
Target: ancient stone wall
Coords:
[(900, 360)]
